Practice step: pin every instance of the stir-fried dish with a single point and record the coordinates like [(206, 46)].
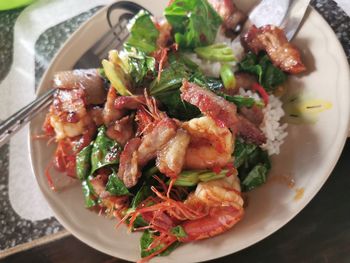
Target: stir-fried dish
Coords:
[(170, 131)]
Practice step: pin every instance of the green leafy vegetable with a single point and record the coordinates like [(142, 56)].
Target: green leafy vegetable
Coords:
[(140, 65), (143, 33), (105, 151), (89, 194), (242, 101), (216, 52), (115, 186), (194, 22), (147, 239), (178, 231), (268, 75), (83, 162), (192, 178), (167, 91), (170, 249), (256, 177), (227, 77), (144, 192), (272, 76), (253, 165), (211, 83)]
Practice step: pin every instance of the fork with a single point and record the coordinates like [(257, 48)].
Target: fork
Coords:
[(112, 39)]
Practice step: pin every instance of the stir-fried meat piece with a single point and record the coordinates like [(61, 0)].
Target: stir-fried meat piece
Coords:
[(96, 113), (153, 141), (87, 79), (129, 102), (121, 130), (164, 29), (110, 113), (115, 203), (68, 115), (250, 132), (171, 157), (273, 40), (244, 80), (129, 171), (99, 184), (210, 146), (229, 13), (222, 111), (253, 114), (111, 203)]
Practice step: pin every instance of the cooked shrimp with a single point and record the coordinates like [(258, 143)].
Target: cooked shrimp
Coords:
[(210, 146), (223, 200), (214, 208)]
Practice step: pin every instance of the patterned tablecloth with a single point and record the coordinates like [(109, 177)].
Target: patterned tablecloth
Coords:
[(21, 223)]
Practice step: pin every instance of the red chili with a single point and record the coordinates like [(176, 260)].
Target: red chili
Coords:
[(260, 89)]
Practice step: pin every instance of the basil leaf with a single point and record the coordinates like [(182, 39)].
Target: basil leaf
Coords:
[(268, 75), (115, 186), (144, 192), (83, 162), (167, 91), (256, 177), (211, 83), (143, 33), (105, 151), (178, 231), (250, 64), (170, 249), (176, 107), (194, 22), (89, 194), (252, 163), (242, 151), (140, 65), (147, 239), (272, 76)]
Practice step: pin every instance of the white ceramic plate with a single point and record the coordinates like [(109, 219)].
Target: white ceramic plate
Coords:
[(309, 154)]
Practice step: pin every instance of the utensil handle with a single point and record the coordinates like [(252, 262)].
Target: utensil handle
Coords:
[(15, 122)]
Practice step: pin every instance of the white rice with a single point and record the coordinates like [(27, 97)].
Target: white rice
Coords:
[(274, 131)]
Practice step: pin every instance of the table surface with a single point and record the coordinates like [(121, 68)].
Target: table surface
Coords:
[(320, 233)]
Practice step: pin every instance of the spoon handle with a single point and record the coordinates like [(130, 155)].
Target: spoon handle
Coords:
[(14, 123)]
